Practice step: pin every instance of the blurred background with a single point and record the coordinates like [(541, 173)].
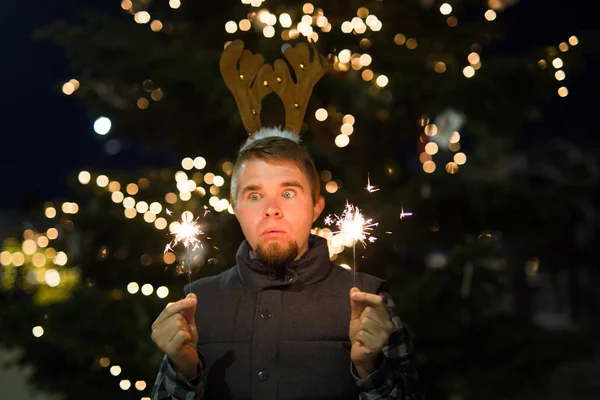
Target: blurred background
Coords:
[(474, 116)]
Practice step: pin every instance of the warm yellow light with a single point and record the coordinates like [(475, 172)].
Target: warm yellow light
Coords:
[(560, 75), (218, 180), (473, 58), (185, 196), (331, 187), (308, 8), (115, 370), (342, 140), (430, 129), (161, 292), (321, 114), (156, 25), (429, 166), (60, 259), (454, 147), (126, 5), (367, 75), (141, 385), (160, 223), (132, 189), (117, 196), (445, 9), (399, 39), (125, 384), (460, 158), (366, 60), (37, 331), (347, 129), (50, 212), (199, 162), (424, 157), (348, 119), (269, 31), (208, 178), (452, 21), (326, 28), (346, 27), (322, 21), (245, 25), (344, 56), (43, 241), (439, 67), (130, 213), (142, 17), (171, 198), (411, 44), (469, 71), (231, 27), (563, 46), (51, 276), (362, 12), (490, 15), (214, 190), (104, 362), (147, 289), (133, 287), (18, 259), (29, 247), (285, 20), (5, 258), (563, 91), (431, 148), (451, 168), (102, 180), (573, 41), (68, 88), (84, 177), (52, 233), (175, 4), (557, 63), (382, 81)]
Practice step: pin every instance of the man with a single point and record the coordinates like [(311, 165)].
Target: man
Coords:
[(285, 322)]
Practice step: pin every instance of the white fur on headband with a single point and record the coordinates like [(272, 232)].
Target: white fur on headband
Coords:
[(263, 133)]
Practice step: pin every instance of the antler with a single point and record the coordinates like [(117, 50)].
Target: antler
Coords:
[(249, 83), (295, 96)]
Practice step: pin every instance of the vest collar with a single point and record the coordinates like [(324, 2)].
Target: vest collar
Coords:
[(312, 267)]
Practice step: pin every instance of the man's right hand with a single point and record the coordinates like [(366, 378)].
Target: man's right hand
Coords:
[(175, 333)]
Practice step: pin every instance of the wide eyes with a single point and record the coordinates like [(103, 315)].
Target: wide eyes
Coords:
[(288, 194)]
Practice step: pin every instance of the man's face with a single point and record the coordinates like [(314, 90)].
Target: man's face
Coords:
[(275, 209)]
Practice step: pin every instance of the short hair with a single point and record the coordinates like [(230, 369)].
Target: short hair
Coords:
[(274, 144)]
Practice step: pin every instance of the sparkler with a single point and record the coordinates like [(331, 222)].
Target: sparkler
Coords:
[(186, 232), (370, 188), (404, 214), (354, 227)]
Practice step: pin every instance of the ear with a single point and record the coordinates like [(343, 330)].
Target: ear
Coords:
[(318, 208)]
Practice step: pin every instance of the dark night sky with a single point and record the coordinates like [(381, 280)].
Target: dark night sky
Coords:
[(46, 135)]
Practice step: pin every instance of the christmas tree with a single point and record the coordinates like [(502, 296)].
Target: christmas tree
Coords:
[(441, 121)]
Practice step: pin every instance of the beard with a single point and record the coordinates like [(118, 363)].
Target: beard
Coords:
[(277, 256)]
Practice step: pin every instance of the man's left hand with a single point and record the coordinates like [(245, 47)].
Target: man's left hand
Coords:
[(370, 329)]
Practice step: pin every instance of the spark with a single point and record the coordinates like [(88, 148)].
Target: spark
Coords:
[(353, 225), (186, 232), (404, 214), (370, 188)]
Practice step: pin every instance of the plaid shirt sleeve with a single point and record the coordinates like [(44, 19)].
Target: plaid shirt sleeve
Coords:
[(170, 385), (396, 377)]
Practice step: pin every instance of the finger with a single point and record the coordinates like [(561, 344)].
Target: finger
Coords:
[(175, 345), (356, 307), (175, 308), (369, 299), (190, 315), (165, 331), (371, 343)]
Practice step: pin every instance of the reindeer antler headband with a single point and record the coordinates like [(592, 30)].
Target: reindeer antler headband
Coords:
[(250, 80)]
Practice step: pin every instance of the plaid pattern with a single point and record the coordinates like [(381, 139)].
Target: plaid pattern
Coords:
[(171, 385), (396, 377)]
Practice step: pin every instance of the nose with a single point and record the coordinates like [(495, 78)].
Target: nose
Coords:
[(273, 210)]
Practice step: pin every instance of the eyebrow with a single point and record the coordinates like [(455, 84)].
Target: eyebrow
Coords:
[(252, 188)]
